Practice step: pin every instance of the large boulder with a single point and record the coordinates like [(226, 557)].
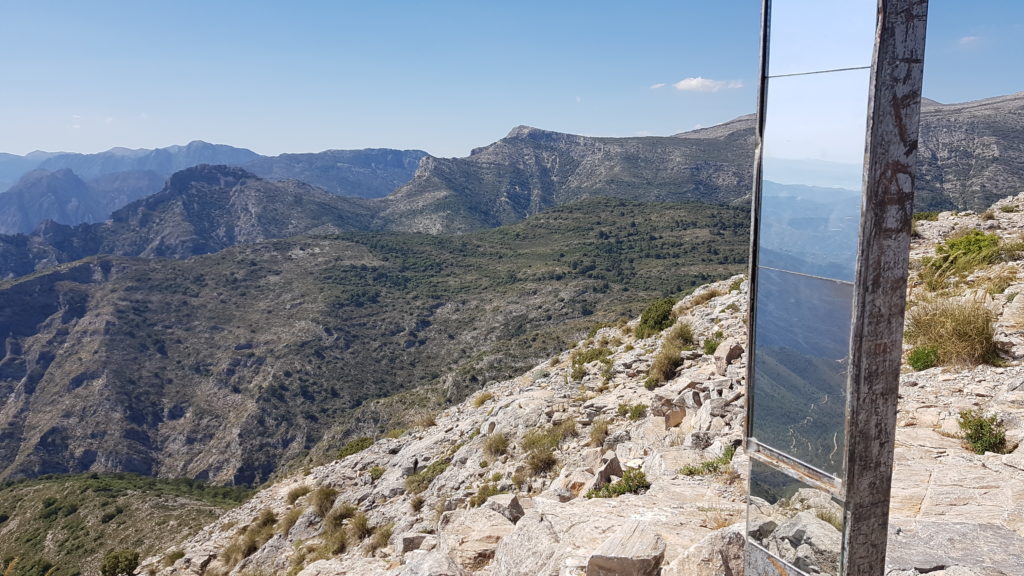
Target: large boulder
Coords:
[(718, 553), (634, 550)]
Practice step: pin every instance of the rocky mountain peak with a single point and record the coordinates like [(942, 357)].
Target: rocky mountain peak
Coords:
[(214, 176)]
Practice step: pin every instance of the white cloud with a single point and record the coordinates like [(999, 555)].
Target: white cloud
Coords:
[(658, 85), (699, 84), (968, 40)]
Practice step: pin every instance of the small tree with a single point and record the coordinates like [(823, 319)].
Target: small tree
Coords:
[(120, 563)]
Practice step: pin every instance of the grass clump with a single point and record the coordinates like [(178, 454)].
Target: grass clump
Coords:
[(495, 444), (714, 466), (599, 431), (632, 411), (322, 500), (359, 526), (420, 481), (481, 398), (960, 332), (632, 482), (381, 535), (416, 503), (1008, 208), (923, 357), (961, 254), (663, 368), (928, 215), (735, 285), (581, 358), (251, 538), (285, 524), (982, 433), (426, 420), (483, 493), (376, 472), (711, 342), (298, 492), (705, 297), (655, 318), (355, 446)]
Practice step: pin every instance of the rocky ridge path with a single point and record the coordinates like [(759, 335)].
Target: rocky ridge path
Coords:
[(954, 513)]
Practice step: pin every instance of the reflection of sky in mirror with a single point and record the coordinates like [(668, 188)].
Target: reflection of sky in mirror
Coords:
[(817, 35), (820, 118)]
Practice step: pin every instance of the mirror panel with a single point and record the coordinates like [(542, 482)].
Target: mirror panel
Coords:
[(813, 36), (793, 522), (802, 336)]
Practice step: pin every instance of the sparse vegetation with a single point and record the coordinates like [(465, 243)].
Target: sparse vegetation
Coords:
[(704, 297), (929, 216), (715, 466), (831, 516), (120, 563), (735, 285), (1008, 208), (355, 446), (426, 420), (632, 411), (663, 367), (359, 526), (416, 502), (251, 538), (495, 444), (632, 482), (420, 481), (285, 524), (963, 253), (381, 535), (541, 461), (483, 493), (580, 359), (960, 332), (982, 433), (655, 318), (173, 556)]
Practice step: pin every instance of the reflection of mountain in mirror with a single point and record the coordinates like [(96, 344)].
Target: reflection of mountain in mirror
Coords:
[(794, 522), (801, 346), (810, 230)]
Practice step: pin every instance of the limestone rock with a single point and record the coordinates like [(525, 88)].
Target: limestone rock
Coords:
[(469, 537), (635, 550), (726, 352), (423, 563), (507, 505), (718, 553)]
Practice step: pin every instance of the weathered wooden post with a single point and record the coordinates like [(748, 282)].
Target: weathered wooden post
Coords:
[(833, 198)]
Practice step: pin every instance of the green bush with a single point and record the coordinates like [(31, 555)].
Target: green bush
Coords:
[(711, 343), (655, 318), (982, 433), (582, 357), (541, 460), (923, 357), (420, 481), (120, 563), (355, 446), (482, 494), (632, 482), (925, 216)]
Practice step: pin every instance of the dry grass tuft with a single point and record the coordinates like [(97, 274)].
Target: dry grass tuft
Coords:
[(961, 332)]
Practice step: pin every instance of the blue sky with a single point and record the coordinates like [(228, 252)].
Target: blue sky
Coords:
[(440, 76)]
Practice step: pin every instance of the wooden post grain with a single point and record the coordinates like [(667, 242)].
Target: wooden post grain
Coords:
[(880, 288)]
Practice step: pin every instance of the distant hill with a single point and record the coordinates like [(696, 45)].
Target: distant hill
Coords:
[(64, 197), (163, 161), (200, 210), (369, 173), (531, 170)]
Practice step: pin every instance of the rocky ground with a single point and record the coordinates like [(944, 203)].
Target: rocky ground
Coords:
[(417, 504)]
